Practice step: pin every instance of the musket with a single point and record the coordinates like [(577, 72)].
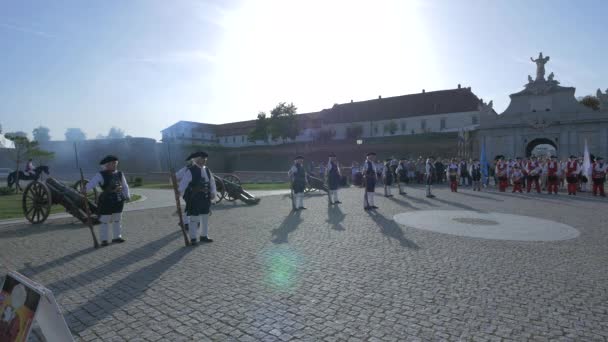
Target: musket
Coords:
[(293, 194), (87, 209), (178, 204)]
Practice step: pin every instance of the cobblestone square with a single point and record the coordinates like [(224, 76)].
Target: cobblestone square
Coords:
[(329, 273)]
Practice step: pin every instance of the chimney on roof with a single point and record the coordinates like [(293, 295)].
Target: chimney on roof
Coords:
[(379, 97), (458, 85), (351, 101), (423, 91)]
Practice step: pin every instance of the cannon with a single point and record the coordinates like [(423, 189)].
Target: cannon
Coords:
[(229, 188), (314, 183), (39, 196)]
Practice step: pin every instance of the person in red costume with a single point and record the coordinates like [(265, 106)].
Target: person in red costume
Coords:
[(533, 169), (501, 174), (572, 170), (598, 173), (552, 177)]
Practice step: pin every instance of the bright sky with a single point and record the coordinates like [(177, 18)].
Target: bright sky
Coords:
[(143, 65)]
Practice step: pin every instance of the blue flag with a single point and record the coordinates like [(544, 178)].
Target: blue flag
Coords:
[(484, 163)]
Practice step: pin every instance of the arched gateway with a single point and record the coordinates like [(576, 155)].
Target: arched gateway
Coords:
[(542, 117)]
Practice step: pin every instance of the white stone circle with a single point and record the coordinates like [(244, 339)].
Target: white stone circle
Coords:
[(494, 226)]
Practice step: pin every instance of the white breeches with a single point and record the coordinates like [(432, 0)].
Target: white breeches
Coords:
[(299, 200), (387, 190), (195, 221), (333, 196), (370, 199), (105, 220)]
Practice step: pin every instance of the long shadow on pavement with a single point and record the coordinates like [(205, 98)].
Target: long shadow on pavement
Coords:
[(400, 201), (479, 196), (120, 262), (457, 205), (288, 226), (136, 282), (31, 271), (335, 216), (391, 229), (422, 201), (26, 229)]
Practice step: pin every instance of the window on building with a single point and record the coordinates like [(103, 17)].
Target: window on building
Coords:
[(442, 124), (242, 138), (375, 129), (233, 139), (474, 120), (423, 124), (403, 126)]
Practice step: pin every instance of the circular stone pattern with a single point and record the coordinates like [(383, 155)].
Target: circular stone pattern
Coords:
[(495, 226)]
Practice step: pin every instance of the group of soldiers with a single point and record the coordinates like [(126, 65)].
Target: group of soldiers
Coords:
[(196, 186)]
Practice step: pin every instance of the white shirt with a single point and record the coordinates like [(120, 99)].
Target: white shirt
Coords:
[(453, 167), (181, 172), (97, 180), (187, 178)]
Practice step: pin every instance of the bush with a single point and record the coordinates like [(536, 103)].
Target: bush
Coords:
[(5, 191), (138, 182)]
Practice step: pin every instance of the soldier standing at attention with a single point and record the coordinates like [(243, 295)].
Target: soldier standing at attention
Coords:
[(369, 180), (198, 189), (115, 192), (402, 174), (428, 174), (333, 179), (297, 175), (476, 175), (387, 176)]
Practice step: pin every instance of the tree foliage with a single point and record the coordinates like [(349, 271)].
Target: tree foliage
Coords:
[(354, 132), (283, 123), (75, 134), (41, 134), (591, 102), (24, 148), (116, 133), (260, 132)]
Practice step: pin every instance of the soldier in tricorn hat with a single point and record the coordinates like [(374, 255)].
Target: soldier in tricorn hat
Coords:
[(115, 192)]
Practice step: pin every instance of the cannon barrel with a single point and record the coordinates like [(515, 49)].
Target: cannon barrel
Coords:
[(236, 191), (317, 183), (71, 200)]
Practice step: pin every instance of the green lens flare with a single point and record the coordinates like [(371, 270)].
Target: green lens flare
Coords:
[(281, 268)]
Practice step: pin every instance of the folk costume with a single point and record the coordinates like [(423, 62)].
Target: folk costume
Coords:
[(333, 179), (598, 173), (501, 174), (370, 175), (516, 178), (115, 192), (572, 170), (552, 177), (534, 170), (198, 189), (297, 175), (453, 173)]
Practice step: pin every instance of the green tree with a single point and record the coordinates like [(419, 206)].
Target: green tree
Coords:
[(75, 134), (260, 132), (24, 149), (41, 134), (116, 133), (591, 102), (283, 123)]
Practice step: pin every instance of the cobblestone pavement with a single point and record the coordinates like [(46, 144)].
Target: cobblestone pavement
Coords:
[(327, 274)]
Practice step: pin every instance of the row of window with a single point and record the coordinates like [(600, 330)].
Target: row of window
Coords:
[(442, 124)]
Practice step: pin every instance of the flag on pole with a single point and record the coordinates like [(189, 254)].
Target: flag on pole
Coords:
[(587, 165), (484, 163)]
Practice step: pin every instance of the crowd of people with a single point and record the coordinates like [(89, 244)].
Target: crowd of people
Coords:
[(540, 174)]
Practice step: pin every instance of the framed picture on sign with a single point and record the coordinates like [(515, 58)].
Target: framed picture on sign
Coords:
[(18, 305)]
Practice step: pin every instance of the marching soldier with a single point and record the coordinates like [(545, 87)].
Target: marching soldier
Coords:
[(516, 178), (533, 169), (453, 173), (115, 192), (198, 188), (429, 171), (333, 179), (369, 179), (572, 171), (297, 174), (476, 175), (387, 175), (552, 179), (598, 173), (401, 174)]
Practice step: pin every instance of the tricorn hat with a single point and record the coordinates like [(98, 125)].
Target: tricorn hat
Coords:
[(107, 159), (553, 157), (332, 154), (298, 157), (572, 156), (200, 154), (371, 154)]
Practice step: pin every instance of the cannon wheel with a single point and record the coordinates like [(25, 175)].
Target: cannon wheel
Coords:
[(308, 187), (234, 179), (220, 191), (91, 195), (37, 201)]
